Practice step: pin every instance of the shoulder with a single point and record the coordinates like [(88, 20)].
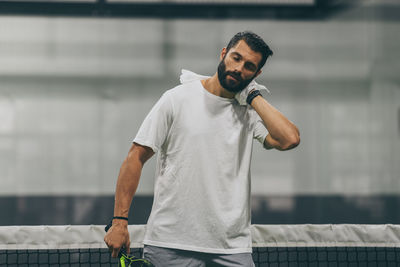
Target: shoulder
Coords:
[(182, 90), (173, 98)]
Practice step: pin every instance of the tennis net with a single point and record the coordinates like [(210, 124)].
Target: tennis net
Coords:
[(273, 245)]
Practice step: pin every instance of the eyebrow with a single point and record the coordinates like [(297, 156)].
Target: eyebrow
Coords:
[(249, 63)]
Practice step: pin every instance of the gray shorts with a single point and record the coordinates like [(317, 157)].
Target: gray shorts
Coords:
[(167, 257)]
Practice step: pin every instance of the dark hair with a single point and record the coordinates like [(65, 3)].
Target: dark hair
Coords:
[(255, 42)]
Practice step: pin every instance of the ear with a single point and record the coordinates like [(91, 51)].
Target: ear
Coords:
[(223, 53)]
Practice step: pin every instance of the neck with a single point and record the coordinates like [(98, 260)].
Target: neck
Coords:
[(213, 85)]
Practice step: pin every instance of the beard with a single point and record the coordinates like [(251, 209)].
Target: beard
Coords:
[(231, 85)]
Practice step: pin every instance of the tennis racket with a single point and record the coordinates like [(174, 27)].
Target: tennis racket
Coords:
[(126, 260)]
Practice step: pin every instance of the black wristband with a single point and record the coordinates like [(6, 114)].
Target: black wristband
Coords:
[(120, 218), (252, 95), (115, 217)]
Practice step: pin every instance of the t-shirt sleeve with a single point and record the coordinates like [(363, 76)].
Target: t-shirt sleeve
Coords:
[(260, 131), (156, 125)]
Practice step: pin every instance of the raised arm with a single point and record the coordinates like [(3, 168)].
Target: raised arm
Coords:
[(283, 134), (128, 181)]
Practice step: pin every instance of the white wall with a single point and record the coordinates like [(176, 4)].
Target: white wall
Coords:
[(74, 91)]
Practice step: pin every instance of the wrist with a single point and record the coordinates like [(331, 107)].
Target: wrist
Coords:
[(119, 224), (119, 219), (253, 94)]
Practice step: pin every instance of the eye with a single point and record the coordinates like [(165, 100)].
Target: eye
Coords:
[(250, 67), (236, 58)]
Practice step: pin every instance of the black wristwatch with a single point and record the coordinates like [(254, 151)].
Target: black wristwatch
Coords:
[(252, 95)]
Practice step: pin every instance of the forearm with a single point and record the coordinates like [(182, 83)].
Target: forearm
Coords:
[(118, 236), (128, 181), (279, 127)]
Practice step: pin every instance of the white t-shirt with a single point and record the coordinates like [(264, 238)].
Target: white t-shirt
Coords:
[(202, 187)]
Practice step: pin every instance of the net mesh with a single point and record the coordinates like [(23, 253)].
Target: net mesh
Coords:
[(60, 257), (273, 245), (271, 256)]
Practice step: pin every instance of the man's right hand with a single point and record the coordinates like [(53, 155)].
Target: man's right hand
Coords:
[(117, 237)]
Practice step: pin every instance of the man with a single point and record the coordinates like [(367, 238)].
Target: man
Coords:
[(203, 131)]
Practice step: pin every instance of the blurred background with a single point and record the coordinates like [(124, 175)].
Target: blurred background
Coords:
[(77, 77)]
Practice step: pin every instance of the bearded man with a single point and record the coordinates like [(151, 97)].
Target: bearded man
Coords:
[(203, 131)]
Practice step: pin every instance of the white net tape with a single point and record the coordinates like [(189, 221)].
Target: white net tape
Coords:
[(307, 235)]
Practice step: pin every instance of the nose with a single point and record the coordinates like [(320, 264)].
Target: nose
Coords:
[(238, 68)]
